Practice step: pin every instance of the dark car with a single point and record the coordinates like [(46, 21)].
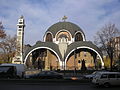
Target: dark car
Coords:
[(47, 75), (7, 72)]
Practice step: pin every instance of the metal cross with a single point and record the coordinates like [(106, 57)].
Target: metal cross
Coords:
[(64, 18)]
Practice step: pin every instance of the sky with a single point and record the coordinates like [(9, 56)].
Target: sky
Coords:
[(89, 15)]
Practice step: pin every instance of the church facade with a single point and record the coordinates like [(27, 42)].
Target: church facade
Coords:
[(64, 46)]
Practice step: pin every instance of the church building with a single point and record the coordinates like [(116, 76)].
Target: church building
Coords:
[(64, 46)]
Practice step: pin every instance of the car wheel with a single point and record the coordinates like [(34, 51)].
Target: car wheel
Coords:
[(107, 84)]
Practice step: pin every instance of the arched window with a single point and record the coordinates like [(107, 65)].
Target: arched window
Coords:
[(49, 37), (63, 34), (78, 37)]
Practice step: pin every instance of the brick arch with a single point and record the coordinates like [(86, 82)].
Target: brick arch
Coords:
[(25, 59), (95, 51)]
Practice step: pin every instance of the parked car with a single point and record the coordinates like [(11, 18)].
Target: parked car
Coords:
[(90, 76), (47, 75), (18, 68), (8, 72), (107, 79)]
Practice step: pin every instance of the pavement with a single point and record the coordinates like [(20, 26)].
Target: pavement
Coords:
[(66, 80), (30, 84)]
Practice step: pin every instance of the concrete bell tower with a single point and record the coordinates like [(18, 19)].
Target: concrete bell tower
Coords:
[(20, 41)]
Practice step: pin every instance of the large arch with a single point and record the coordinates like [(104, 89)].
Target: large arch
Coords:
[(85, 47), (26, 56)]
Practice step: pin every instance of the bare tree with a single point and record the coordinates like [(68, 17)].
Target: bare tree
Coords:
[(8, 47), (2, 32), (104, 39)]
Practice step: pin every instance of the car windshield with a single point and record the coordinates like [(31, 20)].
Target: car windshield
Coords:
[(48, 73), (42, 72), (94, 73), (97, 75), (4, 69), (97, 72)]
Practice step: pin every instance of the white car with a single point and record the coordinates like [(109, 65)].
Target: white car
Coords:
[(20, 68), (107, 79), (90, 76)]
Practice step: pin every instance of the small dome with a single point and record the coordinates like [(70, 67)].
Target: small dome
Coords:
[(71, 27)]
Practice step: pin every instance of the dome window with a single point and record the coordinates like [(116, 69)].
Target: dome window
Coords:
[(63, 34), (49, 37), (78, 37)]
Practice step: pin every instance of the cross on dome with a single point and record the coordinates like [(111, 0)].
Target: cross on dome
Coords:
[(64, 18)]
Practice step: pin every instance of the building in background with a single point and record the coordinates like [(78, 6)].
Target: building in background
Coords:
[(116, 45)]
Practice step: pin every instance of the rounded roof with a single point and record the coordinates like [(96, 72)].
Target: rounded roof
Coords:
[(46, 45), (83, 44), (72, 46), (71, 27)]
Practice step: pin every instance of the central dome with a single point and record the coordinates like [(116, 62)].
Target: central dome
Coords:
[(71, 27)]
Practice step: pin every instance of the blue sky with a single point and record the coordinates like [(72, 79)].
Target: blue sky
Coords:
[(89, 15)]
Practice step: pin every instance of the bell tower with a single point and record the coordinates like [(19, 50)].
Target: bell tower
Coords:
[(20, 41)]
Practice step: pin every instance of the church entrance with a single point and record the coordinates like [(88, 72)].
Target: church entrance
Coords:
[(83, 58), (42, 59)]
